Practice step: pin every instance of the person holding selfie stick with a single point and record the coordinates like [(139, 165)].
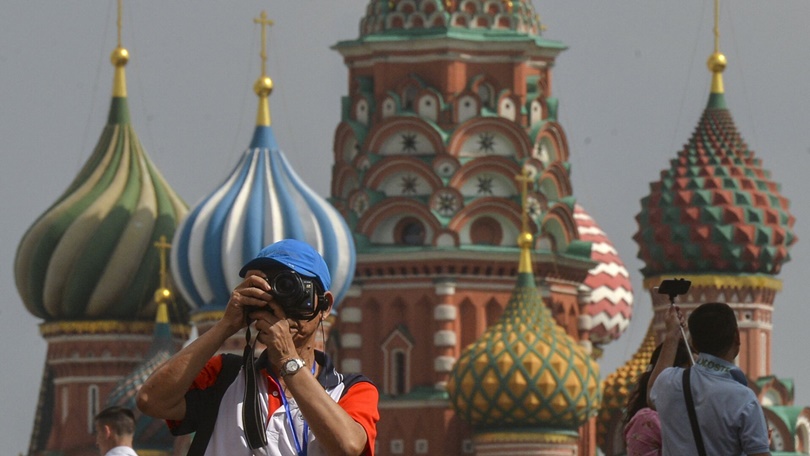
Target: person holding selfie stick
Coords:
[(726, 417), (288, 401)]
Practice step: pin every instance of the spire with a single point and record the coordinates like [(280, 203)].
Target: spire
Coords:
[(264, 85), (163, 295), (119, 59), (525, 238), (716, 62)]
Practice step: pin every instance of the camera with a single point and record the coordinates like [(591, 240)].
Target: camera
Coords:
[(674, 287), (295, 294)]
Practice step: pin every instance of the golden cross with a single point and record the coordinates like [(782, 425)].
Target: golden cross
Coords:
[(264, 21), (163, 246), (524, 180)]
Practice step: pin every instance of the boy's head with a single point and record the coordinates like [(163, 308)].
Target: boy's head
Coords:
[(713, 329), (115, 426)]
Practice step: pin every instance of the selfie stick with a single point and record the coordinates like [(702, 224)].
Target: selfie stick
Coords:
[(683, 333)]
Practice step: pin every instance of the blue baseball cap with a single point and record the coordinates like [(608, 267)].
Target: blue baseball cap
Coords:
[(293, 254)]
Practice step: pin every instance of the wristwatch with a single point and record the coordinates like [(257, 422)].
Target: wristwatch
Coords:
[(291, 366)]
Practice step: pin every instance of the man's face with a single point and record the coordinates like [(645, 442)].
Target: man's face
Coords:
[(304, 324)]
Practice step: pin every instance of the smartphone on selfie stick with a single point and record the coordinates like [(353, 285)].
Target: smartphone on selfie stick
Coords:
[(673, 288)]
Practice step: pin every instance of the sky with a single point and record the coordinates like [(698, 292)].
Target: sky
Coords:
[(632, 85)]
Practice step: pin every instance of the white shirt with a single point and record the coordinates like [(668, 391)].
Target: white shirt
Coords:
[(121, 451)]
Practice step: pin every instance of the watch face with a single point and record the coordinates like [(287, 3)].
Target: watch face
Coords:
[(292, 366)]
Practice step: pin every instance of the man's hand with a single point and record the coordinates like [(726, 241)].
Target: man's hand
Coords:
[(252, 293), (274, 332), (674, 322)]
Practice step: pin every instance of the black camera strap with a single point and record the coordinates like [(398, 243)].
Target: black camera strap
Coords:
[(252, 418), (690, 407)]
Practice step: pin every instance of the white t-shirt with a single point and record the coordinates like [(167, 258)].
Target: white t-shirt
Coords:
[(121, 451)]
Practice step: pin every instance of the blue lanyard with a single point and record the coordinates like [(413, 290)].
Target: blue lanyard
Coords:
[(299, 449)]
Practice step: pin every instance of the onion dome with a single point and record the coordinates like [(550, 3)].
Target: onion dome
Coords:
[(715, 209), (89, 256), (610, 304), (262, 201), (150, 433), (463, 18), (525, 372), (616, 389)]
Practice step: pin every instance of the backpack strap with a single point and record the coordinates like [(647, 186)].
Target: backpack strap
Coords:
[(230, 369), (690, 407)]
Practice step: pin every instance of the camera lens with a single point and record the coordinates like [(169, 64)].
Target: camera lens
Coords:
[(286, 284)]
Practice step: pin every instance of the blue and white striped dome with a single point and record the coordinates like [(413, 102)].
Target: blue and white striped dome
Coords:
[(261, 202)]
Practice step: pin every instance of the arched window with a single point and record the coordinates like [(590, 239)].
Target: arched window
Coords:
[(396, 355), (485, 93), (92, 407), (409, 96), (486, 231), (410, 231)]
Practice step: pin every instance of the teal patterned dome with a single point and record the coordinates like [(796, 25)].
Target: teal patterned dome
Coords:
[(716, 209)]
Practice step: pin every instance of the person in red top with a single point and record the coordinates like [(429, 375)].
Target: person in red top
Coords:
[(288, 401)]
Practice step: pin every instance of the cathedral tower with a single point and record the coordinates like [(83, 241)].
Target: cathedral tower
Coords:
[(448, 101), (88, 268), (718, 219)]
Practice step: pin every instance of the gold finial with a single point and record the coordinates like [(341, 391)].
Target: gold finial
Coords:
[(525, 238), (717, 61), (508, 5), (163, 295), (264, 85), (119, 59)]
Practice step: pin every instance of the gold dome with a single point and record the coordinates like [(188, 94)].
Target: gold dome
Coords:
[(525, 371)]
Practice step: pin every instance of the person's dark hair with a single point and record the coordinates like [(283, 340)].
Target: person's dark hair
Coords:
[(713, 328), (120, 419), (638, 397)]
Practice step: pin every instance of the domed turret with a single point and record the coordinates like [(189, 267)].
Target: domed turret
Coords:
[(609, 306), (462, 17), (262, 201), (87, 266), (525, 374), (715, 209), (717, 219), (88, 257)]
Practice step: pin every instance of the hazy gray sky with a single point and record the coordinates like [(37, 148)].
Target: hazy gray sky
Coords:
[(632, 86)]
